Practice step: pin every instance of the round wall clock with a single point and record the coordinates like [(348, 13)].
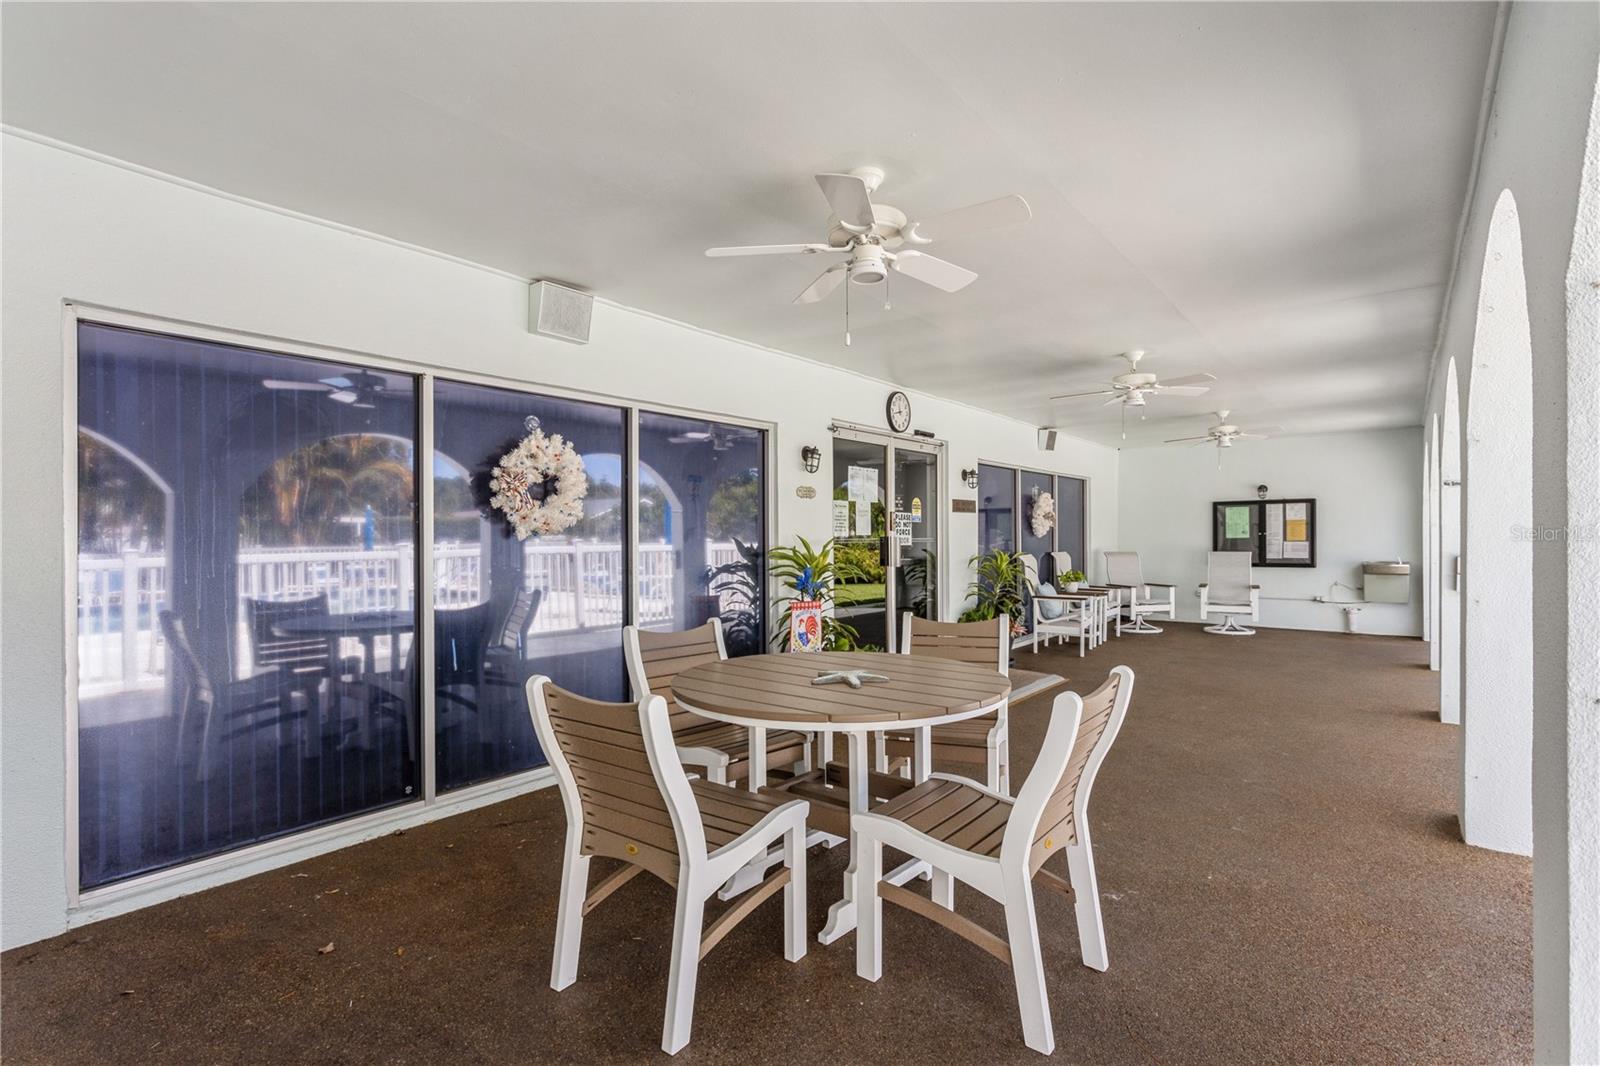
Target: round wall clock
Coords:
[(899, 411)]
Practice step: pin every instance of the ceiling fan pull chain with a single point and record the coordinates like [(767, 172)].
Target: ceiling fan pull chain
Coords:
[(847, 309), (886, 305)]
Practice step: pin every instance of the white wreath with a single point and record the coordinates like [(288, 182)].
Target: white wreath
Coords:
[(1043, 518), (540, 461)]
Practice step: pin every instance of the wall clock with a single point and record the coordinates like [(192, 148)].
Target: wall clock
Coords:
[(899, 411)]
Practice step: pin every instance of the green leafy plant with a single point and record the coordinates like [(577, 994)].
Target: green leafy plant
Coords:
[(919, 574), (737, 586), (806, 572), (857, 563), (1073, 575), (999, 579)]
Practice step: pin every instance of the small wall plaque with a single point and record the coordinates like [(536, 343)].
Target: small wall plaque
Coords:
[(964, 506), (805, 492)]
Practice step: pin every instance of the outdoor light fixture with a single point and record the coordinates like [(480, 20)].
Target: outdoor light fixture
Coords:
[(970, 477), (1261, 492), (811, 456)]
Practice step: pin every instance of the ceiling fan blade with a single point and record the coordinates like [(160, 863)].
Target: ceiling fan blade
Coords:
[(849, 198), (770, 249), (297, 386), (1203, 440), (1080, 395), (826, 282), (932, 270), (1185, 440), (1189, 379), (1183, 390), (1002, 211), (1262, 431), (1118, 398)]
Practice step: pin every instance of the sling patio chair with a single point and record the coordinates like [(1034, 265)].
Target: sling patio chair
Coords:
[(1228, 592), (1124, 572), (999, 846), (719, 749), (627, 797)]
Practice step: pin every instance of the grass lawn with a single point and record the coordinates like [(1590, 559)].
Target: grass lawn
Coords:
[(846, 595)]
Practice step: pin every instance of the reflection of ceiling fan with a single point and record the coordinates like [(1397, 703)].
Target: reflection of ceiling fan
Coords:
[(360, 388), (720, 440), (878, 238), (1225, 433), (1132, 388)]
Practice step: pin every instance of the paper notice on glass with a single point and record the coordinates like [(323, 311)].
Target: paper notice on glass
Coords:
[(1274, 530), (841, 518), (1236, 523), (862, 488), (1294, 522), (902, 528)]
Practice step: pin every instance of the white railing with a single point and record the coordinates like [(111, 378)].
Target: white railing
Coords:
[(581, 587)]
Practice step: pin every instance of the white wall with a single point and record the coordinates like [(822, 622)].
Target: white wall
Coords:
[(1369, 507), (80, 229), (1540, 131)]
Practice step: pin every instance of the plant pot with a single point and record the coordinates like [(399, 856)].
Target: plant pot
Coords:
[(1072, 586)]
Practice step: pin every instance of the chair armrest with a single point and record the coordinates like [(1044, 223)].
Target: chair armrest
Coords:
[(1114, 585), (1205, 584), (1160, 584), (1254, 587)]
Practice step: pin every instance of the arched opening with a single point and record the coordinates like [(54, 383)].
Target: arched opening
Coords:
[(1430, 541), (1497, 675), (1449, 579)]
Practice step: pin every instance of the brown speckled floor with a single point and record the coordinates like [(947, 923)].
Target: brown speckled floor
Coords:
[(1278, 861)]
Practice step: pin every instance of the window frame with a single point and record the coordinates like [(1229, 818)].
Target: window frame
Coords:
[(142, 889)]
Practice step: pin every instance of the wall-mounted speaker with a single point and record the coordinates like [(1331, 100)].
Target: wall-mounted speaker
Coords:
[(1047, 440), (560, 312)]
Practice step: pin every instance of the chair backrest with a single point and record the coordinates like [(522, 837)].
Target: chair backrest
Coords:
[(1062, 563), (519, 616), (988, 643), (1030, 571), (1122, 568), (1051, 808), (1228, 577), (624, 789), (199, 695), (268, 649), (655, 657)]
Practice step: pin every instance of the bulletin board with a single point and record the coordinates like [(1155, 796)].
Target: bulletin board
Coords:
[(1274, 532)]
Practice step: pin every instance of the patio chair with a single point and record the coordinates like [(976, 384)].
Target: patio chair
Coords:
[(1228, 592), (1064, 616), (1060, 563), (627, 797), (719, 749), (1124, 572), (999, 846), (505, 659), (977, 741), (301, 663)]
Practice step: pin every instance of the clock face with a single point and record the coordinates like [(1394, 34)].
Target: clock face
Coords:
[(899, 412)]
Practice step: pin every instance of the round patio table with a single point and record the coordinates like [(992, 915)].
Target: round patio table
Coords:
[(365, 626), (774, 691)]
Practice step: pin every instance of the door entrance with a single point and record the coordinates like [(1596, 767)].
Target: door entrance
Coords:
[(886, 498)]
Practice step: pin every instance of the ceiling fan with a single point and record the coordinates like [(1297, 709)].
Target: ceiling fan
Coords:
[(1132, 389), (877, 239), (360, 389), (1225, 433), (720, 441)]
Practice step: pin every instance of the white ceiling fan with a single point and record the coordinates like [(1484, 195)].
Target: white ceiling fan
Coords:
[(1224, 433), (359, 388), (1132, 389), (878, 238)]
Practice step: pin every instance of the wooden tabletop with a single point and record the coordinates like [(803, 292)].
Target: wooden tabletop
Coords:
[(775, 690)]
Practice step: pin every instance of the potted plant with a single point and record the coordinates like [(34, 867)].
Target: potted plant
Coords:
[(1072, 579), (999, 579), (807, 573)]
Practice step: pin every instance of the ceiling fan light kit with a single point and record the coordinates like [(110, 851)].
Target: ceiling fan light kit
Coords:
[(878, 239)]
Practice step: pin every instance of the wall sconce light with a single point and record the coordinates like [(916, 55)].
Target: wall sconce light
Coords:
[(1261, 492), (811, 456), (970, 477)]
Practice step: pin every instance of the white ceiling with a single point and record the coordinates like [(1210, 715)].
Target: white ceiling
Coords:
[(1269, 192)]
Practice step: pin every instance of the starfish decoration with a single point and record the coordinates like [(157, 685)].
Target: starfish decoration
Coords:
[(853, 678)]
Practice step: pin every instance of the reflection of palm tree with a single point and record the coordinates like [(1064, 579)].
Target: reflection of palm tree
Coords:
[(302, 497), (119, 506)]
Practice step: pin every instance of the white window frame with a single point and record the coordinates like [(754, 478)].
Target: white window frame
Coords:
[(91, 904)]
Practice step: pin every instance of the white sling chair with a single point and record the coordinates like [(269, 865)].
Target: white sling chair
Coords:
[(627, 797), (1123, 572), (999, 846), (1228, 592)]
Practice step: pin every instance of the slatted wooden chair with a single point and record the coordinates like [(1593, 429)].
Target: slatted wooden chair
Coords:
[(977, 741), (999, 846), (627, 797), (720, 750)]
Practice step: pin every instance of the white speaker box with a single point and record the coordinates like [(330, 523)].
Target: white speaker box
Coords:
[(1047, 440), (560, 312)]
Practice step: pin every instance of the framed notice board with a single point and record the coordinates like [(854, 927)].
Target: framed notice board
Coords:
[(1274, 532)]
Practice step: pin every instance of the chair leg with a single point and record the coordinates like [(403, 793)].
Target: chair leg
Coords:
[(569, 915), (717, 774), (794, 895), (1086, 901), (685, 965), (869, 910), (944, 889), (1027, 964)]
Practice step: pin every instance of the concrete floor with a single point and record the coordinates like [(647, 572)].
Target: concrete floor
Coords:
[(1279, 865)]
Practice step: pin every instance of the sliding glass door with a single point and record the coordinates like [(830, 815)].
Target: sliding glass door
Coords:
[(246, 597)]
